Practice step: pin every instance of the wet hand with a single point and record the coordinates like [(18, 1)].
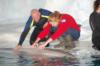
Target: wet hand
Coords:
[(34, 45), (17, 48)]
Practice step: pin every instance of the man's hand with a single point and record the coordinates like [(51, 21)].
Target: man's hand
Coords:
[(45, 44), (17, 47), (34, 45)]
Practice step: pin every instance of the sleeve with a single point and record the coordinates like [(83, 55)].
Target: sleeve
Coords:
[(25, 31), (61, 29), (45, 12), (91, 20), (45, 32)]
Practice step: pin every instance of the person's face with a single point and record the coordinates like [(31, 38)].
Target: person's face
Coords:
[(54, 21), (36, 15)]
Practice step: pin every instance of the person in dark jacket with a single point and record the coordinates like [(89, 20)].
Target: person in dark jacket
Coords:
[(95, 25), (38, 18)]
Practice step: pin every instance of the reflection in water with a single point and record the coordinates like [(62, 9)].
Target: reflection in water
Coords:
[(96, 61), (9, 58), (38, 60)]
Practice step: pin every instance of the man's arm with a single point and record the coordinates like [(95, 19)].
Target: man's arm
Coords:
[(25, 31), (42, 34)]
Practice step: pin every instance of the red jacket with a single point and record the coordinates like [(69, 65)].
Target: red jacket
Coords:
[(65, 23)]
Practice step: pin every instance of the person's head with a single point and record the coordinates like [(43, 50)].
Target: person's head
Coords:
[(54, 18), (35, 15), (96, 5)]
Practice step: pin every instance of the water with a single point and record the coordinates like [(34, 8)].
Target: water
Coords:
[(11, 58)]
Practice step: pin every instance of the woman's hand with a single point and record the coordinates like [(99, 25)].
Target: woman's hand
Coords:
[(42, 46)]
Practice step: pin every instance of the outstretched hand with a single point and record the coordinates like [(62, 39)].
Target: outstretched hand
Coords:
[(42, 46), (34, 45), (17, 48)]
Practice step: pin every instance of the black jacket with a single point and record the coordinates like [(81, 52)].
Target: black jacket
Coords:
[(95, 24)]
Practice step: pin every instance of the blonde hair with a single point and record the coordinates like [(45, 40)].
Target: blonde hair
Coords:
[(55, 15)]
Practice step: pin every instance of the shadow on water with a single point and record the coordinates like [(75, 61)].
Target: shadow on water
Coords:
[(10, 58)]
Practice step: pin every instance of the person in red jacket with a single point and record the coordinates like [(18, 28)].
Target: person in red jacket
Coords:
[(59, 25)]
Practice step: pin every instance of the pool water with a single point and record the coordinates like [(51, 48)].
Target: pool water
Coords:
[(10, 58)]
